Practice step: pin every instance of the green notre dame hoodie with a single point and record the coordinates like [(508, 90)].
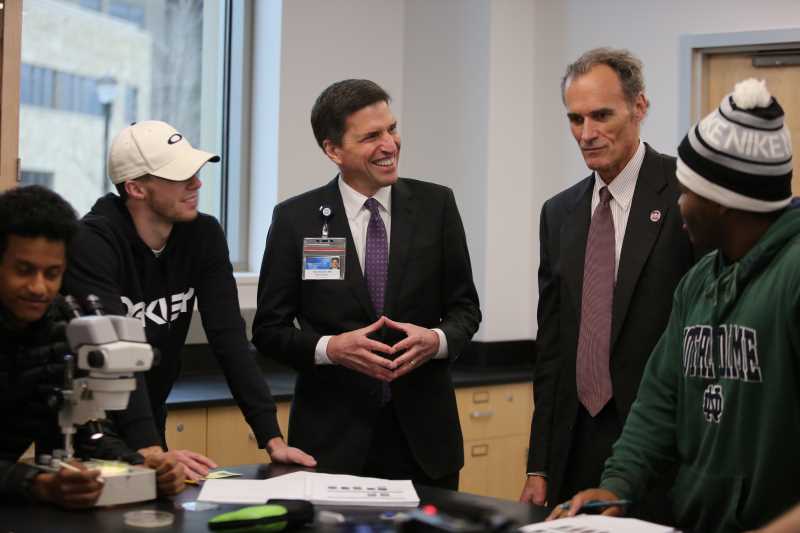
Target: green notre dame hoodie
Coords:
[(720, 395)]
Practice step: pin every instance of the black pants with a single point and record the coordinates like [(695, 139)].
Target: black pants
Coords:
[(592, 439), (390, 455), (592, 442)]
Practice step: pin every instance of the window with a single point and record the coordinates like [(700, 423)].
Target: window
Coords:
[(91, 4), (91, 66), (32, 177), (53, 89), (130, 12), (131, 104)]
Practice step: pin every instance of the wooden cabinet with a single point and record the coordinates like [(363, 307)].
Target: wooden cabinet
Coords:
[(230, 439), (221, 433), (187, 429), (495, 421)]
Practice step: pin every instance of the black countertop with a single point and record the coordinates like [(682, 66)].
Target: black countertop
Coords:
[(40, 518), (208, 390)]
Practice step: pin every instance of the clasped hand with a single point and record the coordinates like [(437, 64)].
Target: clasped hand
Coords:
[(355, 350)]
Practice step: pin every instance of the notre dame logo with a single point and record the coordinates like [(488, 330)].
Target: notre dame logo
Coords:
[(713, 403)]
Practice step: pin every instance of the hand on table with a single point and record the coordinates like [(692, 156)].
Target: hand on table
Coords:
[(195, 465), (280, 452), (170, 474), (69, 489), (582, 497)]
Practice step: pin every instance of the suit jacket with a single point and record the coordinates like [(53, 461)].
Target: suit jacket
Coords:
[(429, 284), (655, 256)]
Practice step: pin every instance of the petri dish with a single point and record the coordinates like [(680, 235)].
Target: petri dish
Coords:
[(148, 519)]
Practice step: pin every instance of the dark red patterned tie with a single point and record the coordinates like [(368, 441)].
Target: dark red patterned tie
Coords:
[(593, 377)]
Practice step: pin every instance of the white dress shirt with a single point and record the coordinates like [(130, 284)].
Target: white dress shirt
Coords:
[(621, 188), (358, 218)]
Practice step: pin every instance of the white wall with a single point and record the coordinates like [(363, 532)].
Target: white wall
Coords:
[(509, 261), (652, 31), (445, 123), (476, 89)]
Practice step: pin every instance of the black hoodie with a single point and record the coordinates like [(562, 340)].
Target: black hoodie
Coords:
[(109, 259)]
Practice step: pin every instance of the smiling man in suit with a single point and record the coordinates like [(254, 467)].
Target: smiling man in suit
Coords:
[(612, 253), (373, 346)]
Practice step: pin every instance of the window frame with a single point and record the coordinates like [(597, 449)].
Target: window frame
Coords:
[(10, 59), (236, 100)]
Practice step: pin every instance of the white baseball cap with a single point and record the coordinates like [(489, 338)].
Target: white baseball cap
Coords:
[(156, 148)]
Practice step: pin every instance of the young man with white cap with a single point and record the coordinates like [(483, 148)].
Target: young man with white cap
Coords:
[(721, 392), (148, 253)]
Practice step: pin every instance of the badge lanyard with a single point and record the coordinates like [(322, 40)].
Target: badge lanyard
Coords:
[(324, 257)]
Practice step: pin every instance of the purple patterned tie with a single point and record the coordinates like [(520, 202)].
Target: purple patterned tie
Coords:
[(593, 378), (376, 257), (376, 269)]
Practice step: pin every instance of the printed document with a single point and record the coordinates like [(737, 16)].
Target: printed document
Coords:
[(585, 523), (323, 489)]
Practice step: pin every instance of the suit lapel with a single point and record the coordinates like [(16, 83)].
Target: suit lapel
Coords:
[(339, 225), (640, 235), (403, 225), (574, 232)]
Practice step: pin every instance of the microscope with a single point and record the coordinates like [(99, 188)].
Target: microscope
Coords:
[(106, 351)]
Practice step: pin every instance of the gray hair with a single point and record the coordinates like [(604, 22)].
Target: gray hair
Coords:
[(627, 66)]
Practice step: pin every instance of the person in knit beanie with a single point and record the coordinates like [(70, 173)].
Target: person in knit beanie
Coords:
[(740, 155), (720, 396), (737, 159)]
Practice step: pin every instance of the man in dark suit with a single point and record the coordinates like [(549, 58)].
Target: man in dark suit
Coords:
[(612, 252), (372, 346)]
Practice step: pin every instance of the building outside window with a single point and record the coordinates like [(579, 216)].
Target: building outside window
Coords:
[(88, 64), (33, 177)]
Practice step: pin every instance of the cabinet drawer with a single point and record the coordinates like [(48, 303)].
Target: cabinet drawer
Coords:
[(495, 467), (186, 430), (474, 477), (230, 439), (495, 411), (507, 470)]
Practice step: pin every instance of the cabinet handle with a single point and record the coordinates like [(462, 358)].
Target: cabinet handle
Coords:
[(481, 414), (179, 428), (480, 397), (479, 450)]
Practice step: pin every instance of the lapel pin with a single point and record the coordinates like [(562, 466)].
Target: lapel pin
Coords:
[(655, 215)]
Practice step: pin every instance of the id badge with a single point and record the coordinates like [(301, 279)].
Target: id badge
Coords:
[(324, 257)]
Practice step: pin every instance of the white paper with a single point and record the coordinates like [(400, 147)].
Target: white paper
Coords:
[(596, 524), (331, 489), (326, 489)]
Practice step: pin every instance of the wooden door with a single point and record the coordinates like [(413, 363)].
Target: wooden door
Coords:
[(722, 71)]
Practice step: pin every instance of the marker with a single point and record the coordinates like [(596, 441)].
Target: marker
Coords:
[(61, 464), (598, 504)]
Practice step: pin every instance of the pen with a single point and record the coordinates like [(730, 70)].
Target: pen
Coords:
[(62, 464), (598, 504)]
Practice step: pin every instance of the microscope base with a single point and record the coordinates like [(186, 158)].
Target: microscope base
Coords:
[(128, 484)]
